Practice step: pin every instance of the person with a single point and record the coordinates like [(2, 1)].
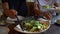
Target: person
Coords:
[(51, 3), (14, 5), (17, 7), (10, 8)]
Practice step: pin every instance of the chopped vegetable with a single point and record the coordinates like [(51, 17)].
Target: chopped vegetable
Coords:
[(34, 26), (33, 29), (47, 6)]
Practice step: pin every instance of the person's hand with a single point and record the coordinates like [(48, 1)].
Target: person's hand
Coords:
[(40, 13), (47, 15), (10, 13)]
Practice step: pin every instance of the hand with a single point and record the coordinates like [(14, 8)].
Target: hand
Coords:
[(40, 13), (10, 13), (47, 15)]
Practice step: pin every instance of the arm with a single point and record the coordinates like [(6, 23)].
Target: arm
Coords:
[(8, 12), (5, 4), (5, 7), (38, 12)]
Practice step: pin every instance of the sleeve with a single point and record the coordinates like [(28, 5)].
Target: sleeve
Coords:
[(4, 1)]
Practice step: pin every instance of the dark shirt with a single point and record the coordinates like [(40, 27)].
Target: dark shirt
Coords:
[(19, 5)]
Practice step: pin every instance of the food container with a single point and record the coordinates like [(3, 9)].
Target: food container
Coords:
[(58, 21), (18, 28)]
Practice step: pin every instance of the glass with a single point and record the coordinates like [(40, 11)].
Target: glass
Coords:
[(30, 5)]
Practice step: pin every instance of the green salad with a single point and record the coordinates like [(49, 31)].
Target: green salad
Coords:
[(47, 6), (34, 26)]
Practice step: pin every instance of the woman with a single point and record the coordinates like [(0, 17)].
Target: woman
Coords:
[(51, 3)]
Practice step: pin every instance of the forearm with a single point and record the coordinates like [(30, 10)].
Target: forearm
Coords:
[(37, 11), (5, 7)]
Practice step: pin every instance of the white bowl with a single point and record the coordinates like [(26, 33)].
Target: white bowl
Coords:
[(17, 28), (57, 20)]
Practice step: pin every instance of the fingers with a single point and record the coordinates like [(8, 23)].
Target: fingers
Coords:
[(12, 13), (47, 15), (40, 13)]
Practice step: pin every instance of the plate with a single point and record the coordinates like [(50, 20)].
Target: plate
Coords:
[(18, 28)]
